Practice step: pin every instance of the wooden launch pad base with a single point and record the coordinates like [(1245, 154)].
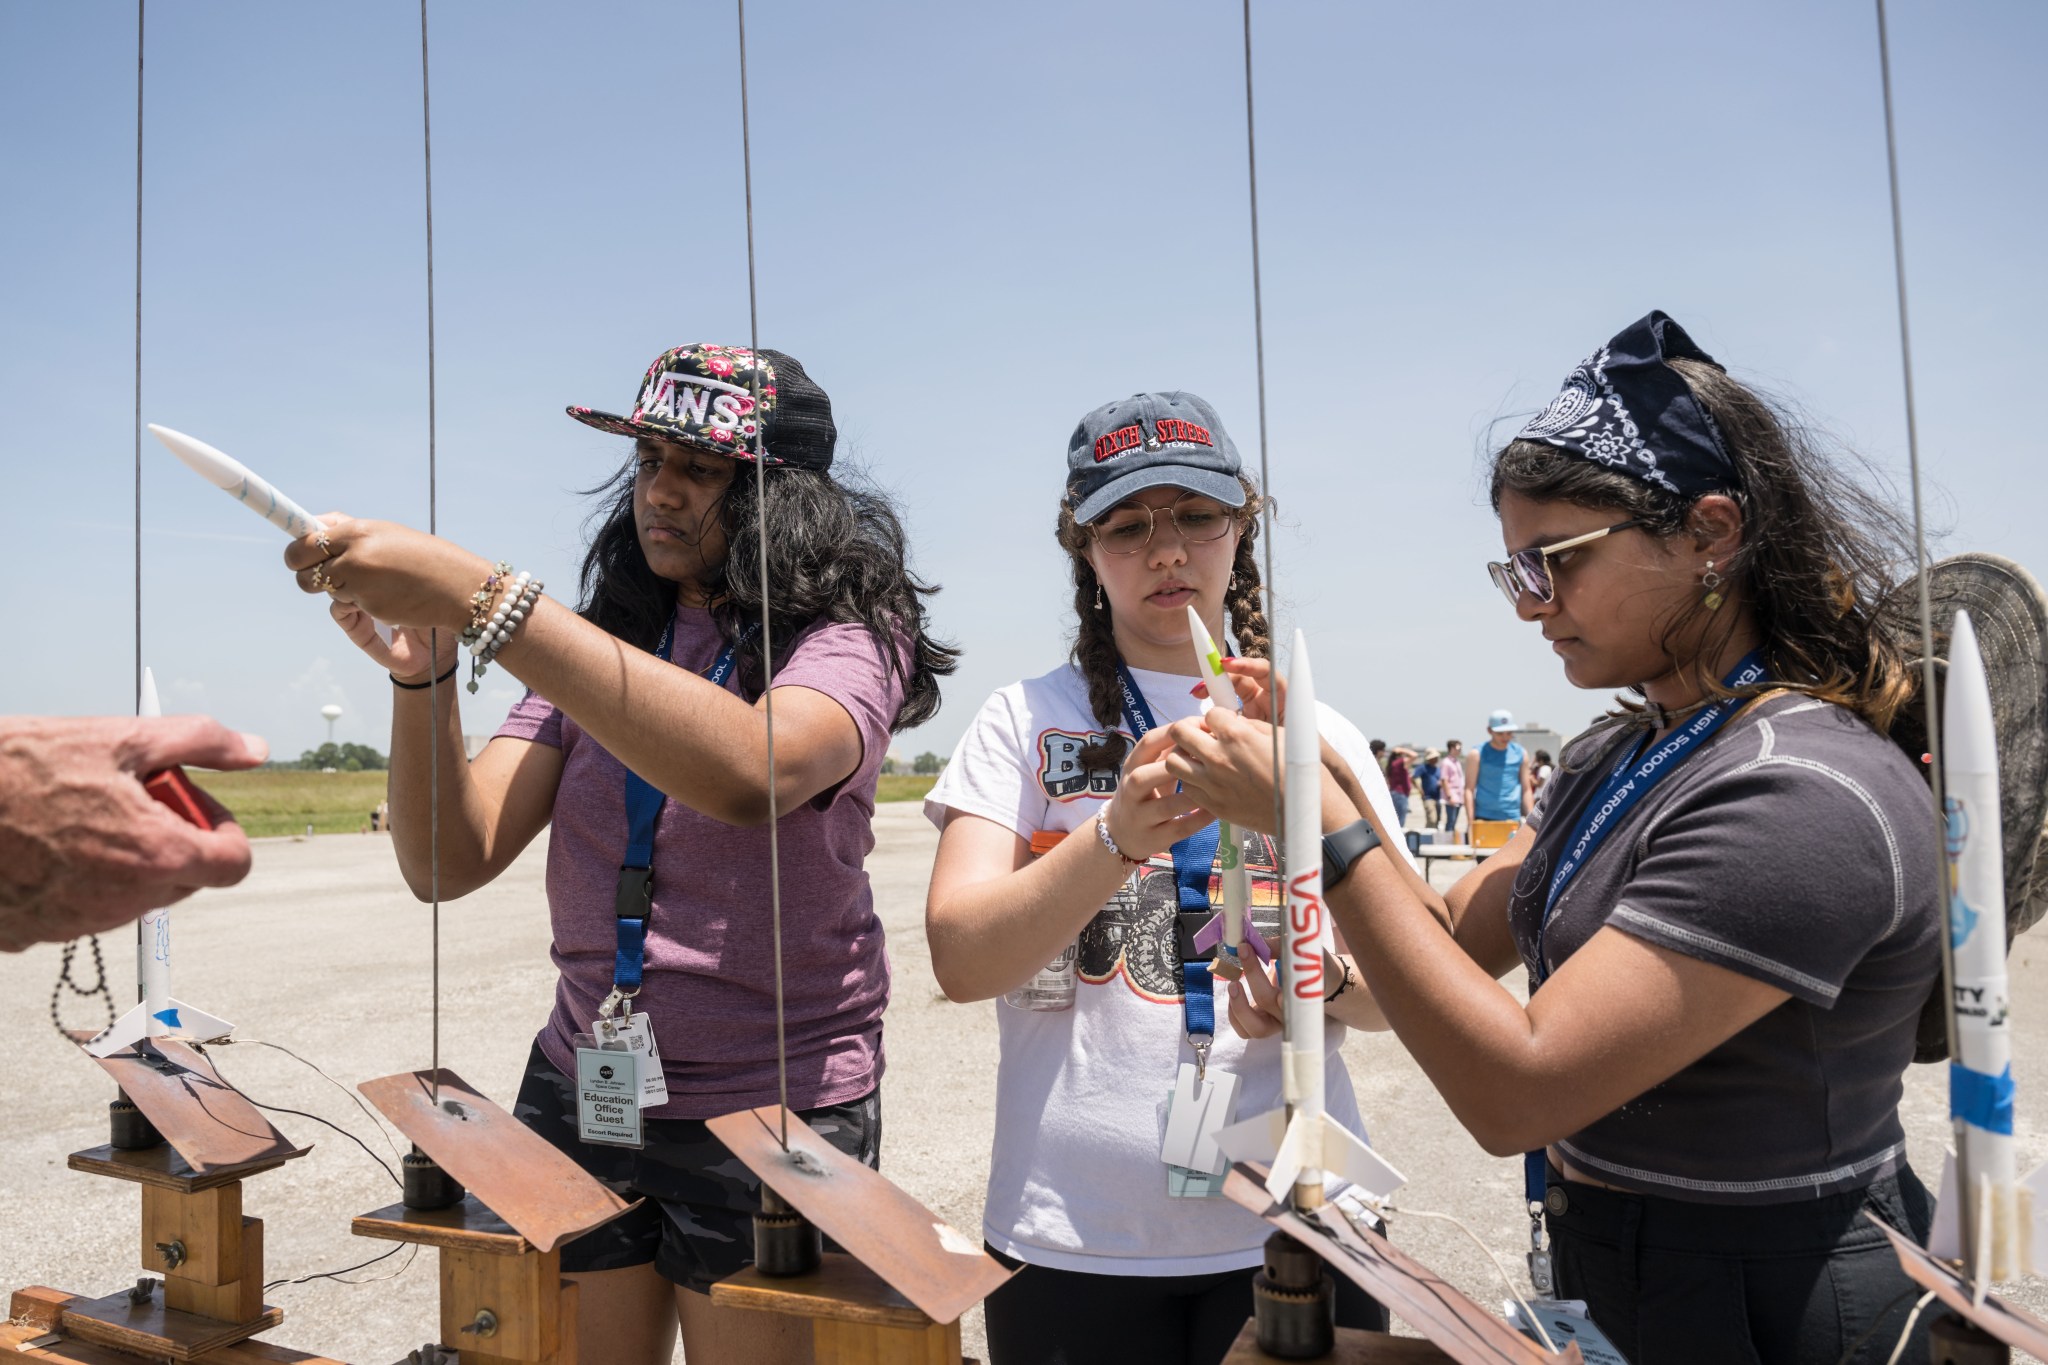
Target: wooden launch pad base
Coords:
[(1353, 1348), (856, 1318)]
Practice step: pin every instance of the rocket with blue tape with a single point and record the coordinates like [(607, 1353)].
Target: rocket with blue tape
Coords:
[(2008, 1241), (157, 1014), (1300, 1145)]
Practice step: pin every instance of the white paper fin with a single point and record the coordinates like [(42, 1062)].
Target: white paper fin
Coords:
[(1345, 1154), (1944, 1241), (194, 1024), (1288, 1148), (198, 1025), (129, 1029), (2034, 1207)]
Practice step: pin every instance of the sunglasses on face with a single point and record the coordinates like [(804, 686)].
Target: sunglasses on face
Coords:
[(1528, 571)]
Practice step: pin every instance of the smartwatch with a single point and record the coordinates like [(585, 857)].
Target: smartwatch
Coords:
[(1344, 847)]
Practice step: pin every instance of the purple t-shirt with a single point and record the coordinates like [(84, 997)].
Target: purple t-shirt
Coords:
[(709, 983)]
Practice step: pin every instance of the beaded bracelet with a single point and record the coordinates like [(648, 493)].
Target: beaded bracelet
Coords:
[(517, 605), (1109, 842), (480, 602)]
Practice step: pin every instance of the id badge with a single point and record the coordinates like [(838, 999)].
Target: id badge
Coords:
[(607, 1094), (636, 1033), (1197, 1108), (1565, 1320)]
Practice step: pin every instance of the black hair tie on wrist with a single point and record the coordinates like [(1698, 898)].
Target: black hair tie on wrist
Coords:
[(421, 687)]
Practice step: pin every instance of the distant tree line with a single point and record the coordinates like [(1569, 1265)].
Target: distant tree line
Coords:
[(347, 758)]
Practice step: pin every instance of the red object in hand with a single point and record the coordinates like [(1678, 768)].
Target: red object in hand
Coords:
[(175, 790)]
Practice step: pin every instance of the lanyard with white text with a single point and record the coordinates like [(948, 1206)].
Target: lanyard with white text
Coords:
[(1634, 776), (1192, 858), (635, 898)]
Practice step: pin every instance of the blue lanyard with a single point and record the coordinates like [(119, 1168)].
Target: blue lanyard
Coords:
[(1632, 779), (635, 899), (1192, 858)]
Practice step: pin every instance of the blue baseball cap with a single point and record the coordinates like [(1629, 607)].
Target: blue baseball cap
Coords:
[(1501, 720), (1147, 440)]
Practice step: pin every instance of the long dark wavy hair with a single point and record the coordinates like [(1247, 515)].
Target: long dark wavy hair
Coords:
[(836, 552), (1818, 561), (1095, 640)]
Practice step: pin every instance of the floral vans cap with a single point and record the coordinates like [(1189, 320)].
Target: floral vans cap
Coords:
[(703, 395)]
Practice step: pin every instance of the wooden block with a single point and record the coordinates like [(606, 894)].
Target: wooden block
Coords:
[(866, 1343), (521, 1292), (1353, 1348), (264, 1353), (65, 1352), (208, 1223), (236, 1301), (152, 1329), (39, 1307), (567, 1345), (467, 1226), (163, 1167), (840, 1289)]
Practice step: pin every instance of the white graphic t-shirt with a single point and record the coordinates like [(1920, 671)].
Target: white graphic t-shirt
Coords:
[(1076, 1181)]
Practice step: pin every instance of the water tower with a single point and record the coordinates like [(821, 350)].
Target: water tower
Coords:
[(333, 714)]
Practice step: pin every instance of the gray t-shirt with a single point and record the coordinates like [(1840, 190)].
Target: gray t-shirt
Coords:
[(1796, 847)]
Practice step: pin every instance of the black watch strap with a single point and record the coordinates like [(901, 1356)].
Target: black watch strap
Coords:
[(1344, 847)]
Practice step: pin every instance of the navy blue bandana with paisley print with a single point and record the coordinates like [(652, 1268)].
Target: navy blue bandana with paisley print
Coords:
[(1624, 408)]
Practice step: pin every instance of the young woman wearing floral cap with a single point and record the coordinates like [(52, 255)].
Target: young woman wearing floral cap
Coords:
[(1726, 899), (642, 741), (1130, 1258)]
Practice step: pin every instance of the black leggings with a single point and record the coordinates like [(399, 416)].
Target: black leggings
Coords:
[(1672, 1282), (1066, 1317)]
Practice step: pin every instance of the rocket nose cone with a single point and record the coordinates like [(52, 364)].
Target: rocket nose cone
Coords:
[(146, 703), (1969, 738)]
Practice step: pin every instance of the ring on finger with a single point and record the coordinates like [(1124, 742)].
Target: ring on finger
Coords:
[(318, 578), (326, 546)]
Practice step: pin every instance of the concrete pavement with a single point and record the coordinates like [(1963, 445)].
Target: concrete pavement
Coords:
[(323, 950)]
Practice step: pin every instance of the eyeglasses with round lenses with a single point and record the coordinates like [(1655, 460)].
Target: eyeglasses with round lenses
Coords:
[(1529, 570), (1128, 528)]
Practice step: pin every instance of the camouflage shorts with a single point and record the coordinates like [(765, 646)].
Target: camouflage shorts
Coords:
[(697, 1224)]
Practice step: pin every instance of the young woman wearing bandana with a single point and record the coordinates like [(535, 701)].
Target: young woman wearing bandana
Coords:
[(1725, 899), (1131, 1258), (641, 741)]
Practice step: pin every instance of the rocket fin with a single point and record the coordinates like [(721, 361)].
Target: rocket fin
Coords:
[(1345, 1154), (129, 1029), (1945, 1240), (1253, 1139), (196, 1024)]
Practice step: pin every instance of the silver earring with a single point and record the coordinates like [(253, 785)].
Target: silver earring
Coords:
[(1711, 581)]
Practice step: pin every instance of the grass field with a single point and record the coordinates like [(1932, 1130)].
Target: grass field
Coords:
[(270, 801)]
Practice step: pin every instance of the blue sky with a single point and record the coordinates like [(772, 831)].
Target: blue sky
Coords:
[(975, 223)]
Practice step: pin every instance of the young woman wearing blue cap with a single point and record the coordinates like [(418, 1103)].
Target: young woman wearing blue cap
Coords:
[(641, 740), (1725, 899), (1064, 843)]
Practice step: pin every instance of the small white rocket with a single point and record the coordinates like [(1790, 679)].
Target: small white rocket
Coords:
[(1236, 878), (157, 1013), (235, 479), (2009, 1240), (1299, 1142)]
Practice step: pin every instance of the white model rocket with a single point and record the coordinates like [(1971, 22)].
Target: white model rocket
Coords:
[(1299, 1142), (2009, 1242), (235, 479), (1230, 854), (157, 1013)]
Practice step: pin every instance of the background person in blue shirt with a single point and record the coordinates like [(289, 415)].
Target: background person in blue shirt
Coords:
[(1498, 780)]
